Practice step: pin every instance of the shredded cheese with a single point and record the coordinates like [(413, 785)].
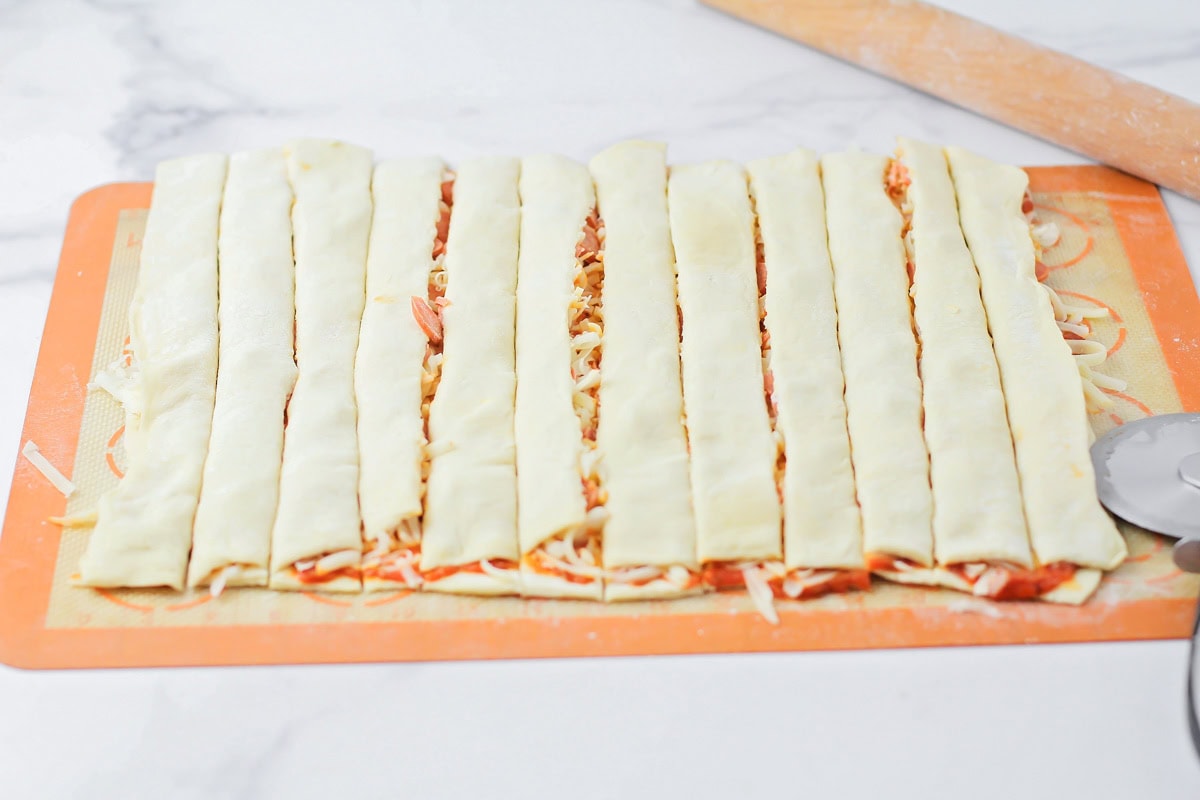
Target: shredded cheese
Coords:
[(678, 575), (335, 561), (223, 576), (1087, 351), (760, 594), (635, 574), (122, 381), (1046, 234), (76, 521), (990, 582), (412, 578), (507, 576), (1071, 327), (973, 571), (1104, 381), (50, 472), (798, 582)]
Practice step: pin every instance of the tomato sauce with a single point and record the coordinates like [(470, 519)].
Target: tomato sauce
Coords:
[(310, 577), (441, 573), (535, 562)]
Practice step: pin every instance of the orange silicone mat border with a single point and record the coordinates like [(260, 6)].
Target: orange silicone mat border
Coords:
[(28, 547)]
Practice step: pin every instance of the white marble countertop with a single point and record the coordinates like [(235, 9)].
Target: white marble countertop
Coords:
[(93, 92)]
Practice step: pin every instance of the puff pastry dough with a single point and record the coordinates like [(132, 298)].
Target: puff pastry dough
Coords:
[(732, 447), (1042, 389), (641, 432), (879, 358), (144, 526), (318, 493), (821, 524), (406, 196), (556, 198), (232, 538), (977, 512), (471, 502)]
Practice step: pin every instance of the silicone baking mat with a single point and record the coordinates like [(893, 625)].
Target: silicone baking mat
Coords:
[(1117, 250)]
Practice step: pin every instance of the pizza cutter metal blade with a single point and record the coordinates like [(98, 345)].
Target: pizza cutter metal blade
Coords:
[(1148, 473)]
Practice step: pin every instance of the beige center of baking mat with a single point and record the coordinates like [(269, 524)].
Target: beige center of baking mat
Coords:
[(1110, 224)]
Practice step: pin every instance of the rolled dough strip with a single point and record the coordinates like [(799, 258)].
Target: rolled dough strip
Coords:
[(471, 502), (318, 494), (661, 589), (144, 526), (879, 358), (556, 198), (391, 349), (733, 451), (257, 372), (496, 584), (977, 512), (641, 431), (1042, 390), (822, 526), (1077, 590)]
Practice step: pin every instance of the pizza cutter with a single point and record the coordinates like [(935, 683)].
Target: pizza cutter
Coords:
[(1148, 473)]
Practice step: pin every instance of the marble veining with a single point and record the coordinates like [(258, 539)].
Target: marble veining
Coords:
[(94, 91)]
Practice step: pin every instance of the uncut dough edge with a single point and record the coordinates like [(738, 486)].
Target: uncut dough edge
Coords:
[(257, 370), (144, 525), (318, 494), (470, 507), (1042, 390), (732, 447), (641, 429), (879, 358), (556, 198), (821, 521), (977, 514), (389, 363)]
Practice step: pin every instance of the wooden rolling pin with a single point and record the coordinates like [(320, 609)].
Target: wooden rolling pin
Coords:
[(1115, 120)]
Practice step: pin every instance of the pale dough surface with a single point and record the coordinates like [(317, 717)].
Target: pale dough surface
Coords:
[(641, 433), (977, 513), (822, 526), (654, 590), (256, 312), (556, 198), (471, 501), (331, 222), (733, 451), (1075, 591), (406, 194), (1042, 389), (144, 526), (477, 583), (539, 584), (879, 358)]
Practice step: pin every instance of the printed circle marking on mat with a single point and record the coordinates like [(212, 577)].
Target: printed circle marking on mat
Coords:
[(109, 450)]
